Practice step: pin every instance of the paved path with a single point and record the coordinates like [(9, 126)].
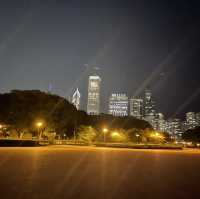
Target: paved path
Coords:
[(98, 173)]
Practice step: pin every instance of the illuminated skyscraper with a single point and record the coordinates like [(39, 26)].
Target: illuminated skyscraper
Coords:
[(159, 122), (93, 104), (149, 105), (198, 119), (136, 107), (191, 120), (174, 128), (118, 105), (76, 99)]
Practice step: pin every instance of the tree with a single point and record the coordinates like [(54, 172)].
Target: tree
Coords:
[(22, 109), (87, 134), (134, 134), (119, 135), (192, 135)]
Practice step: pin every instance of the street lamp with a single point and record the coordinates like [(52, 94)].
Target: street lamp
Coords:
[(137, 135), (1, 127), (105, 130), (158, 136), (39, 125)]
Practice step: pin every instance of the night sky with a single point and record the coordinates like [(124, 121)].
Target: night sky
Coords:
[(135, 44)]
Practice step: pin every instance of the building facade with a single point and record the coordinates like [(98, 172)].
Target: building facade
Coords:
[(93, 103), (149, 107), (136, 107), (159, 123), (118, 105), (198, 119), (174, 128), (191, 120)]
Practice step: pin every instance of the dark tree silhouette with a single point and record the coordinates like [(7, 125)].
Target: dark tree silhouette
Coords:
[(192, 135), (22, 109)]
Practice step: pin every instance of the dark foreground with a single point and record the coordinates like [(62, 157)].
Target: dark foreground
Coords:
[(86, 172)]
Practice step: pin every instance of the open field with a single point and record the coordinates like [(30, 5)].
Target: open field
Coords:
[(89, 172)]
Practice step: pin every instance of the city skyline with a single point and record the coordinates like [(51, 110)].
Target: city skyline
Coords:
[(99, 99), (141, 107), (133, 46), (147, 107), (76, 100)]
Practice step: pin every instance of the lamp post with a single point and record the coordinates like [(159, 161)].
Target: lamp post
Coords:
[(105, 130), (39, 125), (137, 135), (1, 127)]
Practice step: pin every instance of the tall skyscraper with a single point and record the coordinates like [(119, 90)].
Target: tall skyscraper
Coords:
[(149, 106), (198, 119), (191, 120), (76, 99), (136, 107), (174, 128), (159, 122), (93, 104), (118, 105)]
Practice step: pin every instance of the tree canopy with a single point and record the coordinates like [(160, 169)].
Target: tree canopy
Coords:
[(192, 135), (23, 109)]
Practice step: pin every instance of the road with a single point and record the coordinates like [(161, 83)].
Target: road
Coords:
[(98, 173)]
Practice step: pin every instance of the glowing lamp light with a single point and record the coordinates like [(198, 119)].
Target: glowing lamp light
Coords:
[(105, 130), (157, 134), (115, 134), (39, 124)]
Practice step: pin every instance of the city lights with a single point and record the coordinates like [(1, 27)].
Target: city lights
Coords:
[(118, 104), (136, 107)]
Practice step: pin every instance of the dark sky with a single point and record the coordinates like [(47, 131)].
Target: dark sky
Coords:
[(136, 44)]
